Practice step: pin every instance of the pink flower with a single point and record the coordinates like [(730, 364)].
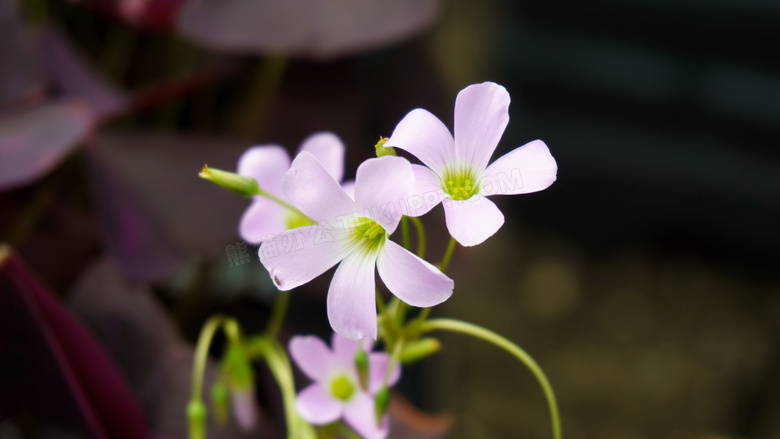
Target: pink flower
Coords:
[(337, 392), (267, 164), (354, 233), (457, 169)]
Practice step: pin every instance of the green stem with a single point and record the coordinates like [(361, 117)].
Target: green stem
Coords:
[(380, 303), (255, 109), (278, 312), (279, 201), (502, 342), (445, 261), (202, 352), (405, 233), (420, 236), (399, 347)]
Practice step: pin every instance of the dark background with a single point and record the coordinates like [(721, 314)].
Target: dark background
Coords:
[(644, 281)]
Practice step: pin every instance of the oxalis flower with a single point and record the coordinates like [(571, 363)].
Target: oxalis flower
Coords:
[(457, 169), (267, 164), (354, 233), (337, 391)]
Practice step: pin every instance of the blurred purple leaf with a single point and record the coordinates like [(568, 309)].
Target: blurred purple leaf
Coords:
[(19, 75), (155, 210), (317, 29), (53, 366), (34, 141), (135, 328), (72, 76)]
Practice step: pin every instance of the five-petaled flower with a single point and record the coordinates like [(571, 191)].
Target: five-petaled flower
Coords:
[(457, 168), (267, 164), (337, 390), (358, 233)]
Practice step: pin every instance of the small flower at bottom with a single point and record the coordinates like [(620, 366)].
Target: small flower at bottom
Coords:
[(354, 234), (337, 391)]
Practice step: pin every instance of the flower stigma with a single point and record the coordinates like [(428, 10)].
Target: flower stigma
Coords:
[(460, 184), (369, 234), (342, 388)]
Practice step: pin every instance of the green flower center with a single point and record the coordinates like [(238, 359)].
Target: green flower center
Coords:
[(369, 234), (342, 388), (460, 183), (293, 220)]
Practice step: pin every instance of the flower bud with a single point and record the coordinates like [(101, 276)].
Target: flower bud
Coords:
[(241, 380), (244, 186), (220, 402), (381, 149), (381, 404), (361, 364), (196, 416), (419, 349)]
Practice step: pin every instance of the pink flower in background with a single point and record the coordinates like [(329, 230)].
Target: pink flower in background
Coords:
[(337, 392), (267, 164), (354, 233), (457, 168)]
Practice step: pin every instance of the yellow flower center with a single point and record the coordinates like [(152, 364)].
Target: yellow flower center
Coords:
[(342, 388), (459, 183), (369, 234)]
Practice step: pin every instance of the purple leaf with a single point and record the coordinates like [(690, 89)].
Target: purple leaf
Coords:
[(34, 141), (155, 210), (53, 365), (72, 77), (318, 29), (20, 78)]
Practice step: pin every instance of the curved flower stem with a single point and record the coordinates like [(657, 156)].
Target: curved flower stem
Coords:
[(202, 352), (277, 314), (405, 232), (420, 236), (380, 303), (394, 359), (502, 342), (445, 261)]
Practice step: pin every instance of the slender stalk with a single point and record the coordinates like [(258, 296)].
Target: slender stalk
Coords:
[(279, 201), (445, 261), (399, 347), (202, 352), (280, 368), (420, 236), (278, 312), (502, 342), (380, 303), (405, 233)]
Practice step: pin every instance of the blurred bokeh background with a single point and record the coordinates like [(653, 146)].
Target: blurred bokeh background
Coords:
[(645, 281)]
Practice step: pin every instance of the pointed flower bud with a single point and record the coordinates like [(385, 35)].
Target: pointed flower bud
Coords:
[(241, 381), (381, 404), (381, 149), (419, 349), (196, 417), (361, 365), (220, 402), (244, 186)]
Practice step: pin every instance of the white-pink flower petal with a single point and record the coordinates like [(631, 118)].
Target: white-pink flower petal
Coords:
[(359, 414), (426, 193), (481, 116), (378, 363), (329, 150), (351, 297), (473, 221), (423, 135), (316, 405), (412, 279), (297, 256), (311, 189), (266, 164), (529, 168), (382, 186), (312, 356), (262, 220)]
